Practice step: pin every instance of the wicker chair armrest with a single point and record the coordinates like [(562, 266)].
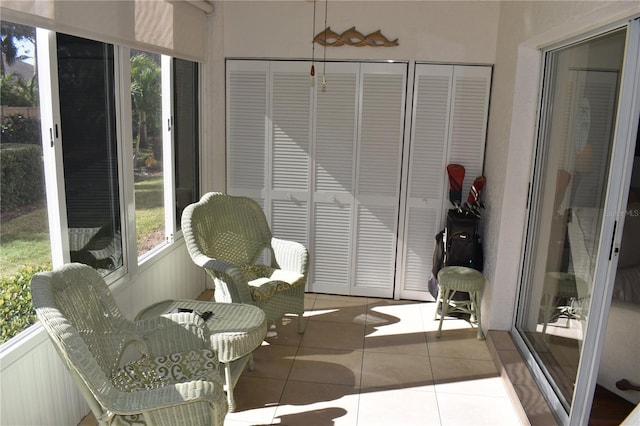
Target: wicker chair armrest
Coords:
[(290, 255), (219, 268), (125, 403), (236, 288)]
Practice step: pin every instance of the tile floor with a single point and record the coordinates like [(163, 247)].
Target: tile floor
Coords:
[(368, 362)]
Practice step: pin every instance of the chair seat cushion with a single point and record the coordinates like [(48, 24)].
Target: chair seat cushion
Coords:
[(151, 373), (130, 420), (265, 282)]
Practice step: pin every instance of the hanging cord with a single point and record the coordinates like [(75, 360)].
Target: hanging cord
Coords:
[(313, 43), (324, 61)]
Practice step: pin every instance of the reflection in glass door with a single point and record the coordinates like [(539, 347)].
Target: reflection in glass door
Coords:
[(580, 96)]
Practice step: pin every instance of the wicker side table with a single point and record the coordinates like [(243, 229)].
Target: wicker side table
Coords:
[(236, 330)]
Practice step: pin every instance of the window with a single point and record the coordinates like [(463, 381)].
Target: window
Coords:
[(90, 152), (66, 190), (165, 132), (146, 113), (185, 130), (24, 229)]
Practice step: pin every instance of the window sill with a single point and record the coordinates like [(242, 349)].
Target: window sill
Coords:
[(22, 344)]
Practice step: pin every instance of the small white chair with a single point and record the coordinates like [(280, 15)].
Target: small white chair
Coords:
[(452, 279)]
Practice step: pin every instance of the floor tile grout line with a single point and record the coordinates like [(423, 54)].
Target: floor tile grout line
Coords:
[(364, 336), (423, 313), (288, 378), (428, 359)]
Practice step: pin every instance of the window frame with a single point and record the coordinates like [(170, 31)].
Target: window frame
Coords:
[(46, 59)]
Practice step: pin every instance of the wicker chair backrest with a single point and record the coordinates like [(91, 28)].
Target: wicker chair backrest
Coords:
[(231, 229), (88, 330)]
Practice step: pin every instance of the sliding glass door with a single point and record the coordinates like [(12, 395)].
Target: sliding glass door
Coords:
[(571, 238)]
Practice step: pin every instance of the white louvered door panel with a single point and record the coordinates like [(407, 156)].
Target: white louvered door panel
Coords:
[(331, 248), (290, 155), (468, 125), (247, 102), (334, 157), (382, 100), (289, 221), (427, 183)]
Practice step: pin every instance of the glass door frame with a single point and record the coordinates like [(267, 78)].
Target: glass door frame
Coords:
[(621, 165)]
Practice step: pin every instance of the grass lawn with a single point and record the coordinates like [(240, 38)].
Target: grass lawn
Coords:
[(149, 213), (24, 240)]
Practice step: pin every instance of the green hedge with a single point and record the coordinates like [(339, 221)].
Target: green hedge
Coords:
[(17, 128), (16, 310), (22, 175)]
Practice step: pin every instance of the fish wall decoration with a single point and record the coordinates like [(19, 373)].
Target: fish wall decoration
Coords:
[(353, 37)]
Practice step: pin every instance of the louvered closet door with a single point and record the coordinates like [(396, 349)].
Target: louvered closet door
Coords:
[(247, 104), (427, 184), (468, 126), (449, 121), (336, 106), (326, 163), (289, 170), (378, 165)]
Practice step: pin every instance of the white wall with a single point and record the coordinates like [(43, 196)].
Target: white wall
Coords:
[(212, 77), (36, 388), (460, 31)]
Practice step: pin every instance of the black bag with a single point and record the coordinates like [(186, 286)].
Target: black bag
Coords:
[(457, 245), (438, 254), (462, 241), (436, 265)]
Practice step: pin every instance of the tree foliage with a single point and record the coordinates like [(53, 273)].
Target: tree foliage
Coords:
[(16, 309), (145, 97), (16, 91), (11, 34)]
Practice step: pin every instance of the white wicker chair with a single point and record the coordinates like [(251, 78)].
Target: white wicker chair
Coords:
[(173, 380), (226, 235)]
